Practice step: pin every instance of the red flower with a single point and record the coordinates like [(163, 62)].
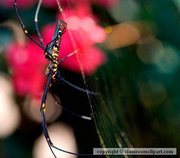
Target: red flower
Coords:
[(82, 35), (82, 3), (63, 3), (50, 3), (27, 65)]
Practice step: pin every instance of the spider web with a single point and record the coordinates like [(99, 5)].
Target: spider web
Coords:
[(76, 54), (118, 111), (87, 85), (103, 106), (111, 134)]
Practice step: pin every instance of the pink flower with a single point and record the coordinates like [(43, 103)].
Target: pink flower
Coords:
[(49, 3), (20, 3), (84, 34), (64, 3), (27, 65), (83, 25), (74, 3)]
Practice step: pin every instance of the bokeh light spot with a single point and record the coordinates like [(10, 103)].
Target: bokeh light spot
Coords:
[(62, 136), (9, 112)]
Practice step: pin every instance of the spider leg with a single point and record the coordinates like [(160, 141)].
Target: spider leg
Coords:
[(69, 83), (36, 23), (44, 124), (69, 55), (42, 110), (59, 78), (71, 112), (78, 88), (71, 153), (24, 27)]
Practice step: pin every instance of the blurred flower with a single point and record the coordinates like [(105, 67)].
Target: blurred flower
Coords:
[(49, 3), (82, 3), (27, 62), (83, 33), (20, 3), (64, 3), (9, 112), (27, 66)]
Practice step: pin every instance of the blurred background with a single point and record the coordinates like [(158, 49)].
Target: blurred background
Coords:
[(129, 52)]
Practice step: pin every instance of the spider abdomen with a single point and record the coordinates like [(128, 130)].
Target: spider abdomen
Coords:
[(54, 62)]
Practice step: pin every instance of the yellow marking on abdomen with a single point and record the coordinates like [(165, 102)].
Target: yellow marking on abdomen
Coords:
[(44, 107)]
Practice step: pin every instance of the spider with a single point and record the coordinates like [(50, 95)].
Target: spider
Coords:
[(51, 53)]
